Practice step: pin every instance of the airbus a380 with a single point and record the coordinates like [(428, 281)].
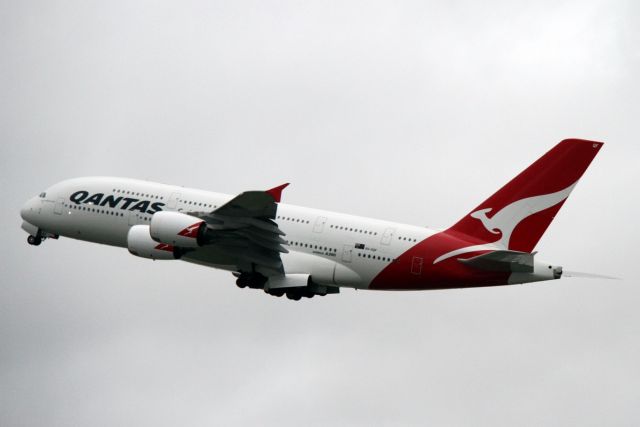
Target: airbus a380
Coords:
[(302, 252)]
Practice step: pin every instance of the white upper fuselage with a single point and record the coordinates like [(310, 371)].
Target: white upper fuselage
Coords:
[(359, 247)]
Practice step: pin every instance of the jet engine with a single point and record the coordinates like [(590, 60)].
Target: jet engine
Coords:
[(177, 229), (140, 243)]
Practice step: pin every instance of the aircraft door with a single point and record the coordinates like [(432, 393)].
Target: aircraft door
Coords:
[(347, 253), (172, 204), (387, 236), (416, 265), (133, 218), (57, 209), (319, 225)]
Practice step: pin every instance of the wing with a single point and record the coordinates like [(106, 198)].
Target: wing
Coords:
[(243, 233)]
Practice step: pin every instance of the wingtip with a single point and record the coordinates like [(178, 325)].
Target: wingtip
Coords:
[(276, 192)]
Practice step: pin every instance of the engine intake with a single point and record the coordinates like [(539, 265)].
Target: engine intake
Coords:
[(140, 243), (177, 229)]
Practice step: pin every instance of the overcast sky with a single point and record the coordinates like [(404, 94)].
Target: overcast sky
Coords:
[(406, 111)]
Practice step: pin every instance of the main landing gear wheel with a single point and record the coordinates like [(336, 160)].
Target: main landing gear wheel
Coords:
[(276, 292), (251, 280), (242, 281), (33, 240), (293, 295)]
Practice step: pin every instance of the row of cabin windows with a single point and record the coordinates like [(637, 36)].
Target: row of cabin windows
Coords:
[(288, 218), (155, 196), (408, 239), (90, 209), (191, 202), (135, 193), (337, 227), (356, 230), (310, 246), (377, 257)]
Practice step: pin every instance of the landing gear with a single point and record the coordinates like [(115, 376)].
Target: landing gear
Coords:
[(294, 295), (34, 240), (255, 280), (276, 292), (242, 282), (252, 280), (39, 236)]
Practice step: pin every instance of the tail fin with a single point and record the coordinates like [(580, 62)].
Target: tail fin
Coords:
[(517, 215)]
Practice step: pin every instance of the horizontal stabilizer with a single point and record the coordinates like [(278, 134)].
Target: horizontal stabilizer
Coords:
[(513, 261)]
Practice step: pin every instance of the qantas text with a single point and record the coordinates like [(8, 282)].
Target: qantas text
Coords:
[(99, 199)]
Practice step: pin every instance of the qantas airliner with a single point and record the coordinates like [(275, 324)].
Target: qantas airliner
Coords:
[(301, 252)]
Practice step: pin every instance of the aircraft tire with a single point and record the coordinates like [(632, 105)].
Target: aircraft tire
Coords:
[(33, 240), (295, 296)]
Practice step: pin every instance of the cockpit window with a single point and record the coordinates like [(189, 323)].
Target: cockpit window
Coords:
[(43, 195)]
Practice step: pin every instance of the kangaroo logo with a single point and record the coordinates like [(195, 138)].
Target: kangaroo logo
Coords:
[(507, 219), (192, 230)]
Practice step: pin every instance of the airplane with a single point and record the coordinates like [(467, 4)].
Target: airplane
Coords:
[(302, 252)]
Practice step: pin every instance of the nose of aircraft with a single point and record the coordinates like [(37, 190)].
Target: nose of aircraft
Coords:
[(29, 210)]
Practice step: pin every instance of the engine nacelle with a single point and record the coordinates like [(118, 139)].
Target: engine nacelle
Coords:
[(177, 229), (140, 243)]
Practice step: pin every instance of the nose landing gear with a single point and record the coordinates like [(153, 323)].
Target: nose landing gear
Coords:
[(34, 240)]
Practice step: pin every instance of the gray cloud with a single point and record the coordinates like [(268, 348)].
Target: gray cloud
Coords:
[(408, 111)]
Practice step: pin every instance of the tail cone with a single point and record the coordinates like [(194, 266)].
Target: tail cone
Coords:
[(557, 272)]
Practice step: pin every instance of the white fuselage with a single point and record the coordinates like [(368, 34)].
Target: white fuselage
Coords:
[(352, 249)]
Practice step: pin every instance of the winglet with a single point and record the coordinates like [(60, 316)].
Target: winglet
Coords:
[(276, 192)]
